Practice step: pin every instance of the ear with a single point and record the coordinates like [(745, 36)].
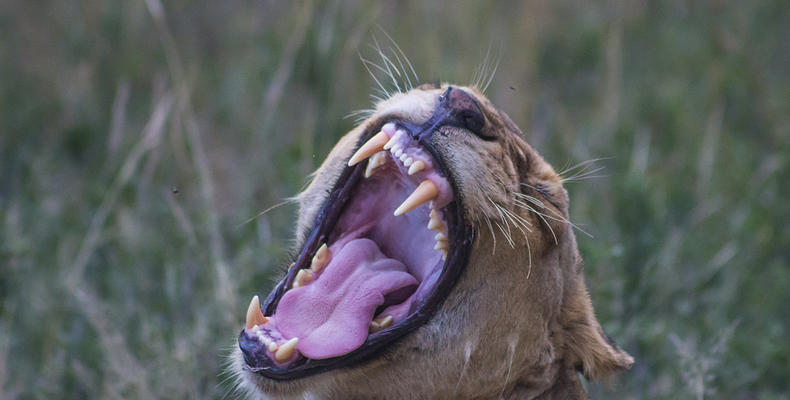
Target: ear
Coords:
[(587, 346)]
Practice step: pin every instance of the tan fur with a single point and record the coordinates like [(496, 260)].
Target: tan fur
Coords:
[(519, 323)]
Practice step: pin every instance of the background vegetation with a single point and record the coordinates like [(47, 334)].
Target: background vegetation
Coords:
[(138, 139)]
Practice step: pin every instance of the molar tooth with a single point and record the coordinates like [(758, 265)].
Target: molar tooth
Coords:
[(416, 167), (372, 146), (374, 162), (425, 192), (285, 351), (385, 322), (303, 277), (254, 313), (380, 323), (321, 259)]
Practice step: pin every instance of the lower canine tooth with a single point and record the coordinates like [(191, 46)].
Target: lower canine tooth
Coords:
[(321, 259), (303, 277), (425, 192), (286, 350), (254, 313)]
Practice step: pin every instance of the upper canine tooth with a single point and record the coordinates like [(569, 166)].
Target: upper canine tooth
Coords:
[(254, 313), (372, 146), (321, 259), (286, 350), (416, 167), (303, 277), (425, 192)]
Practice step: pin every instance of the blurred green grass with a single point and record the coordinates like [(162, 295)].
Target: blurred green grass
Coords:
[(137, 141)]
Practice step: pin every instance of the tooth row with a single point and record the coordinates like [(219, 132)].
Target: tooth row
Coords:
[(425, 192), (380, 323), (255, 316), (435, 224)]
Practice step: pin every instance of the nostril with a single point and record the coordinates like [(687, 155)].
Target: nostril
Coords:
[(473, 121)]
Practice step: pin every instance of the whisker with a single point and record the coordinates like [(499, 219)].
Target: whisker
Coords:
[(367, 63), (493, 72), (411, 67), (387, 63)]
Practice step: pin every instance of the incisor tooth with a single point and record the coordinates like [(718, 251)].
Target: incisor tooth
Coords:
[(272, 347), (303, 277), (441, 245), (440, 236), (425, 192), (254, 313), (444, 254), (321, 259), (408, 161), (398, 152), (416, 167), (372, 146), (285, 351)]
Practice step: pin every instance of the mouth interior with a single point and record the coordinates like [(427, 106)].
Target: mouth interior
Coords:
[(381, 259)]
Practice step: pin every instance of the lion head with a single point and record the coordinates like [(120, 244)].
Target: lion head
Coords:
[(435, 260)]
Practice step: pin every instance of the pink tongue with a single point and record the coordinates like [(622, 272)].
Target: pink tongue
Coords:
[(331, 315)]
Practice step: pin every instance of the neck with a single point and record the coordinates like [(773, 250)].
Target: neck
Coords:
[(567, 387)]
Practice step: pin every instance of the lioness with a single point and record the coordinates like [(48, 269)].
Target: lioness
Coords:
[(435, 260)]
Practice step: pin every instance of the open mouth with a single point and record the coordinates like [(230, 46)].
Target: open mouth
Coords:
[(386, 248)]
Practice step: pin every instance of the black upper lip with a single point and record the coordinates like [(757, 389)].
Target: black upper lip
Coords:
[(459, 231)]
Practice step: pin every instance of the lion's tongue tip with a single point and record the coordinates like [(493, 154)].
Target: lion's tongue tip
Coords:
[(331, 321)]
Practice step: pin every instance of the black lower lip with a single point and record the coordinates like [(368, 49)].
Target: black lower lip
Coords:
[(460, 233)]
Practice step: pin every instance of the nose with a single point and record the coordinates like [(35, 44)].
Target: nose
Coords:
[(454, 108)]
